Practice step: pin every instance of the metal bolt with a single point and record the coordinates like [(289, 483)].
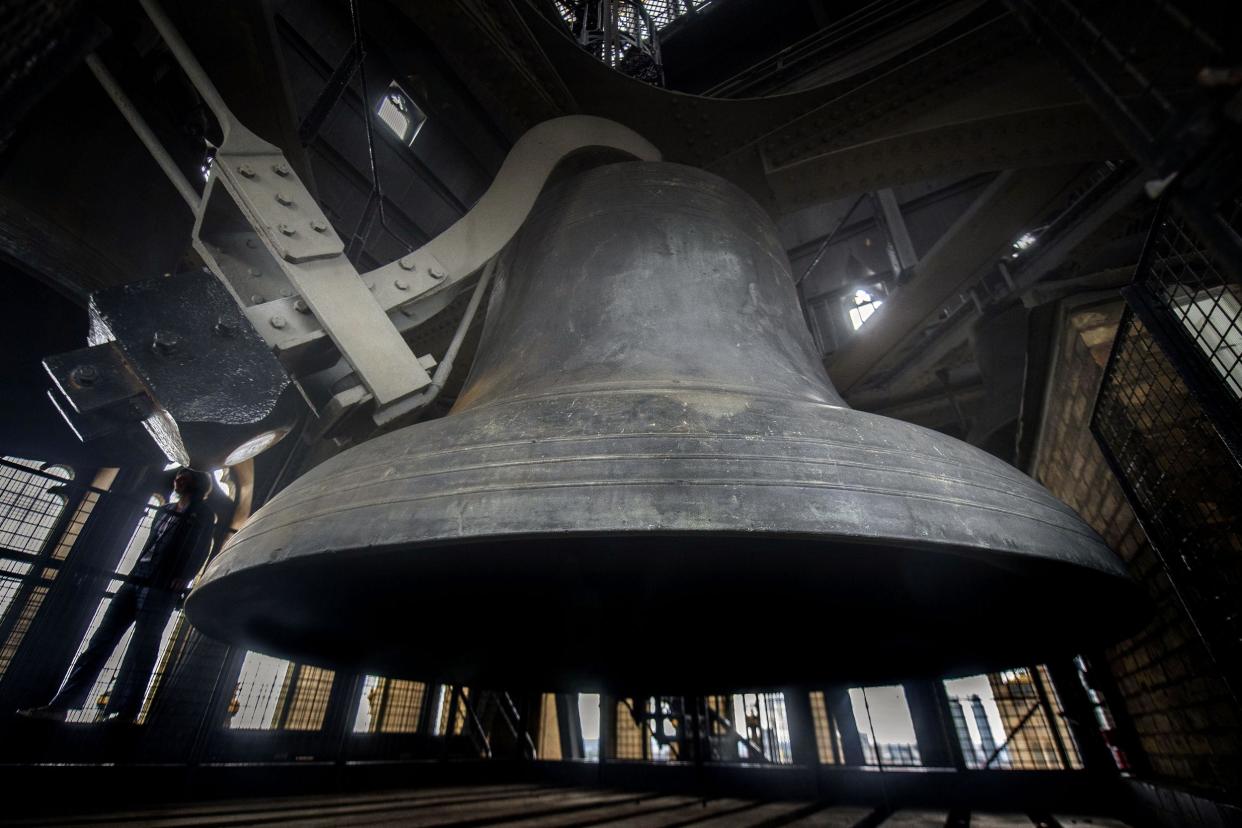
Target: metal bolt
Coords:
[(246, 170), (165, 342), (318, 226), (84, 375), (278, 322), (280, 168), (401, 284), (284, 199), (286, 229), (407, 263), (436, 273), (256, 298), (301, 307), (255, 272), (286, 293)]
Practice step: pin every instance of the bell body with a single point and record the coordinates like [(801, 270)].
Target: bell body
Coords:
[(649, 482)]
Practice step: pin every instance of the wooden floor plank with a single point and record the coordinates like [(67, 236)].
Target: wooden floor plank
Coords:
[(916, 819), (982, 820), (1075, 821), (836, 816)]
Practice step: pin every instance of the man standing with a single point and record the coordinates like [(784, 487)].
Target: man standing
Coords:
[(179, 540)]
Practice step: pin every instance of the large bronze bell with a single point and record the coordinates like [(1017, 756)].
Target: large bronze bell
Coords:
[(649, 482)]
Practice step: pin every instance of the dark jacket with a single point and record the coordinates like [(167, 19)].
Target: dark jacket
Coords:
[(178, 544)]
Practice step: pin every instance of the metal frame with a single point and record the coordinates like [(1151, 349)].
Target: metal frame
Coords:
[(260, 231)]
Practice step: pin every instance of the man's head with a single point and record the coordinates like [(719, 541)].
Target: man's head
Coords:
[(191, 484)]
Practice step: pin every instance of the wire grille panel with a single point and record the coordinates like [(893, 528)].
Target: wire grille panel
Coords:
[(1181, 478)]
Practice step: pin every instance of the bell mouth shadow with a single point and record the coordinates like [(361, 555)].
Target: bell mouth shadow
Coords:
[(672, 613)]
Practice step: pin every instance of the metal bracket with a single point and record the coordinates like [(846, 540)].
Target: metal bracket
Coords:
[(261, 233), (268, 197)]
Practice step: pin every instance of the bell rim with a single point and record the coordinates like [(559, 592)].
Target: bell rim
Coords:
[(1117, 605)]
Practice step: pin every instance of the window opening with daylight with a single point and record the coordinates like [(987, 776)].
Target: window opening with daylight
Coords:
[(885, 727), (274, 694), (588, 716), (389, 705), (31, 506), (1011, 720), (400, 114), (549, 746), (760, 721), (1213, 319), (827, 734), (861, 305)]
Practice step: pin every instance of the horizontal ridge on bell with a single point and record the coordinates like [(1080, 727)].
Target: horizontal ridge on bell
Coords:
[(649, 482)]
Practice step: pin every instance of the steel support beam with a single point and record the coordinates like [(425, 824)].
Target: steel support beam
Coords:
[(1010, 203), (898, 234)]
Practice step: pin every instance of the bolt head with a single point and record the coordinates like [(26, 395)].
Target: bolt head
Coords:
[(256, 298), (285, 229), (254, 272), (401, 284), (84, 375), (285, 199), (407, 263), (278, 322), (165, 342), (246, 170), (436, 273), (301, 307), (280, 168), (319, 226)]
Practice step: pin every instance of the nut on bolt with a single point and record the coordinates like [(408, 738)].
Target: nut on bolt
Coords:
[(301, 307), (436, 273), (246, 170), (280, 168), (407, 263), (84, 375), (278, 322), (285, 229), (285, 199), (319, 226), (401, 284)]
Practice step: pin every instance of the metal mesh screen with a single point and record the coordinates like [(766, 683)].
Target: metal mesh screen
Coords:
[(1185, 281), (1179, 475)]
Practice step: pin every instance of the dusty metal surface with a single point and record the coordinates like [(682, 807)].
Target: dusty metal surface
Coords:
[(647, 436), (177, 354)]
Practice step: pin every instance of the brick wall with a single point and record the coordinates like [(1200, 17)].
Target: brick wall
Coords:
[(1186, 722)]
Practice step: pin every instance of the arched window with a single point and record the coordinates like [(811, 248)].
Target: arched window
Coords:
[(31, 506), (30, 503), (861, 304)]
